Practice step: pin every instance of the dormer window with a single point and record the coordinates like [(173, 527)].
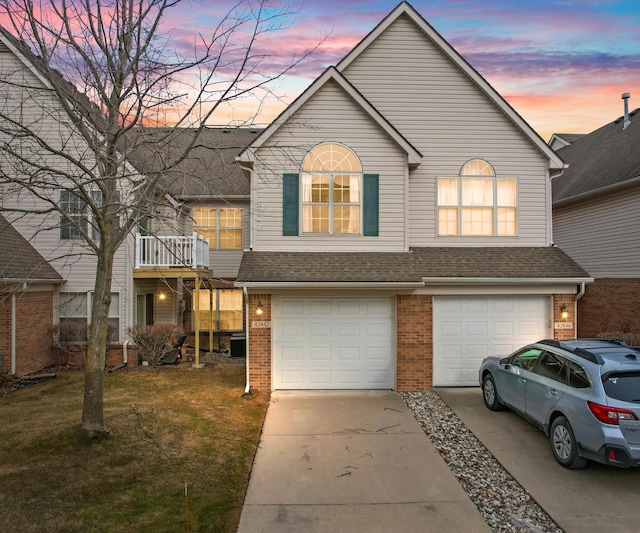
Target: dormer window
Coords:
[(477, 203)]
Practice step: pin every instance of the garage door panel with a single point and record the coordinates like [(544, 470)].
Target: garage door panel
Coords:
[(334, 343), (467, 329), (503, 328), (477, 328)]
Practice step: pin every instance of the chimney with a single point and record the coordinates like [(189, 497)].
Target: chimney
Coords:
[(627, 121)]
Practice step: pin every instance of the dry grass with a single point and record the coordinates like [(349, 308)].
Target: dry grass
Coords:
[(166, 425)]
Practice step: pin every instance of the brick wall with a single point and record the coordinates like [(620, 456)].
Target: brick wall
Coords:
[(259, 343), (566, 301), (34, 317), (609, 306), (415, 342)]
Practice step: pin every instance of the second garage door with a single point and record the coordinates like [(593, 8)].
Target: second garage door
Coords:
[(333, 343), (467, 329)]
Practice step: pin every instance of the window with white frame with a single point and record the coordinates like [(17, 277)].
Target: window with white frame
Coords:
[(222, 226), (77, 217), (477, 203), (331, 190), (75, 309), (220, 309)]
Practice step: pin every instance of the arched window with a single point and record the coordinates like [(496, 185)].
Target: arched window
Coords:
[(477, 203), (331, 190)]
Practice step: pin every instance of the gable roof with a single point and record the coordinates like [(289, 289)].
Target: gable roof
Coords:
[(331, 74), (405, 9), (606, 158), (416, 267), (210, 169), (19, 261), (34, 63), (560, 140)]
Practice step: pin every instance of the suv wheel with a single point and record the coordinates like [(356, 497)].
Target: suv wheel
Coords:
[(563, 444), (490, 394)]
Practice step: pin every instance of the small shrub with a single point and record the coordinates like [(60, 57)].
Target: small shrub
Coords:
[(632, 339), (152, 341), (69, 342)]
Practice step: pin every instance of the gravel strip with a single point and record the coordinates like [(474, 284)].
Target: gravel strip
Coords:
[(503, 503)]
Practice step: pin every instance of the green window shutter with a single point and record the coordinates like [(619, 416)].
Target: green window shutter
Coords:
[(290, 204), (370, 205)]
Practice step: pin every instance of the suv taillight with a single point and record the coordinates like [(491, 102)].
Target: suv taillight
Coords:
[(610, 415)]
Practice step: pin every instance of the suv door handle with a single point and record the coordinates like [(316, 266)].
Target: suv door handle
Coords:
[(553, 392), (522, 380)]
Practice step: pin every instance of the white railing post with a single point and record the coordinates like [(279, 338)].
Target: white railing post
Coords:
[(194, 250), (138, 250)]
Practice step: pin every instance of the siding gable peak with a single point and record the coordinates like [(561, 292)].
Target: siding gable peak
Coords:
[(404, 9), (332, 75)]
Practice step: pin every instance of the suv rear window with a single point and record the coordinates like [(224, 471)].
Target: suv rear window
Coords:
[(623, 386)]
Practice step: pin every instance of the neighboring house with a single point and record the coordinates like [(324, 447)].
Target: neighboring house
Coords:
[(596, 220), (401, 225), (28, 284), (212, 194), (204, 197)]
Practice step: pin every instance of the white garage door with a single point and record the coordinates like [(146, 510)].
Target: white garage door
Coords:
[(466, 330), (333, 343)]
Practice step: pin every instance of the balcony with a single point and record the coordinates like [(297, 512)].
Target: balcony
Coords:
[(166, 253)]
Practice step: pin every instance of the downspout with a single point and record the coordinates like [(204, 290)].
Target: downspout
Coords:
[(125, 353), (13, 333), (580, 293), (246, 347)]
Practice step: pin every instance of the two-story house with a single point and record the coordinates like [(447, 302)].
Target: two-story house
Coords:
[(596, 220), (211, 194), (27, 287), (401, 225)]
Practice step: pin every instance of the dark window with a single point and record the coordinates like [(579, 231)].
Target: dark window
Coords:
[(552, 366), (623, 386), (578, 377), (73, 223), (526, 359)]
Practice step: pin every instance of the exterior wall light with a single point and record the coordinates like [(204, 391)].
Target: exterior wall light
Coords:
[(259, 309), (564, 313), (162, 296)]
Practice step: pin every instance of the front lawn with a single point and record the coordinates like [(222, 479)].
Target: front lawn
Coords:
[(168, 426)]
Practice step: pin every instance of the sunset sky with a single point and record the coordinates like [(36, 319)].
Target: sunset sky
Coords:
[(562, 64)]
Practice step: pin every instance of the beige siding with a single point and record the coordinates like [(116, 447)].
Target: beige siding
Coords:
[(29, 103), (330, 116), (450, 121), (602, 234)]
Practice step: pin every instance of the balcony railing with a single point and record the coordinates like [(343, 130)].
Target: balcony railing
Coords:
[(172, 251)]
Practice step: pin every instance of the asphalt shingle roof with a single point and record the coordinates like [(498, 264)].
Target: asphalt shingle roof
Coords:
[(20, 260), (605, 157), (408, 267), (210, 170)]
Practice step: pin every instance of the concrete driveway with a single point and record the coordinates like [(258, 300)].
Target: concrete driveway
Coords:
[(596, 499), (348, 462)]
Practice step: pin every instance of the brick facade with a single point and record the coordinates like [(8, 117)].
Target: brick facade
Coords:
[(414, 342), (610, 305), (34, 317), (566, 301), (414, 338), (259, 343)]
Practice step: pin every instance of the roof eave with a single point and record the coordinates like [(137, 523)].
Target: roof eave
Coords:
[(330, 284), (597, 192), (502, 281)]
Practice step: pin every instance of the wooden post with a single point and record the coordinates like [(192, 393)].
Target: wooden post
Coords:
[(197, 320), (211, 297)]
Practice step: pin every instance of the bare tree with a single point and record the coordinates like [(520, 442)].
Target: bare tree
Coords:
[(101, 69)]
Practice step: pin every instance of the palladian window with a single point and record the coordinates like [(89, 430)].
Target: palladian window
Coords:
[(331, 190), (477, 203)]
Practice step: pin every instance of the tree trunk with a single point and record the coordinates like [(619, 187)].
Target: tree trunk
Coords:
[(92, 412)]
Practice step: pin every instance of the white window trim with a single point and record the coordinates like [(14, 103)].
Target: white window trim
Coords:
[(198, 228)]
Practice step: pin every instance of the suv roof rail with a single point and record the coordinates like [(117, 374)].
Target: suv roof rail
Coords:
[(580, 352)]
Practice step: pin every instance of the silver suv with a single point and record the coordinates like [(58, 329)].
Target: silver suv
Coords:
[(584, 394)]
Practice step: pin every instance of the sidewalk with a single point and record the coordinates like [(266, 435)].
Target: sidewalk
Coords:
[(350, 461)]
